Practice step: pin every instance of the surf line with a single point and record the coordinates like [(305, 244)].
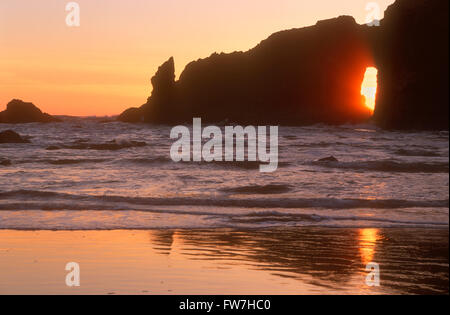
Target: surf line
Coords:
[(233, 149)]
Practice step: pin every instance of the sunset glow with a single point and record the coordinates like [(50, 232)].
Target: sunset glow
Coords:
[(104, 66), (201, 149), (369, 87), (368, 240)]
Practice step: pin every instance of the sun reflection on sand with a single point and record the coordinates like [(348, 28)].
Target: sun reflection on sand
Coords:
[(367, 244)]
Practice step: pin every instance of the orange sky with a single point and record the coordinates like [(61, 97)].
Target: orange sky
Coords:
[(105, 65)]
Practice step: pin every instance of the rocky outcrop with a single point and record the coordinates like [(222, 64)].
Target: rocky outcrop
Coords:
[(163, 95), (18, 112), (9, 136), (133, 114), (5, 162), (314, 75), (299, 76), (413, 65)]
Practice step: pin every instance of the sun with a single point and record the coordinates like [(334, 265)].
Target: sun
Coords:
[(369, 87)]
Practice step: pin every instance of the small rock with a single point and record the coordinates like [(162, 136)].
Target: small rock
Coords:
[(9, 136), (52, 148), (5, 162), (329, 159)]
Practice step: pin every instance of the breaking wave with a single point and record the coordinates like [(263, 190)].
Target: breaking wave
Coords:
[(388, 166), (289, 203), (259, 189)]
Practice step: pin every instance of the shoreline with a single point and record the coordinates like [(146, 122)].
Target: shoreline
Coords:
[(225, 228)]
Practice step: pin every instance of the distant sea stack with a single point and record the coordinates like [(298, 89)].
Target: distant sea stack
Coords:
[(18, 112), (314, 75), (413, 66)]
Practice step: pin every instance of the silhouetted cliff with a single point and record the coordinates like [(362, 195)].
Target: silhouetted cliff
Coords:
[(412, 59), (299, 76), (314, 75), (18, 111)]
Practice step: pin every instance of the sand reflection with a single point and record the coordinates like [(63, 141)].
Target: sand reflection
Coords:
[(367, 244), (334, 259), (222, 261)]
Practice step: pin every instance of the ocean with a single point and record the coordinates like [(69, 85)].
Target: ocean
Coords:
[(89, 174)]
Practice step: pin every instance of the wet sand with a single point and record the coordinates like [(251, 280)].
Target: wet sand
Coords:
[(276, 261)]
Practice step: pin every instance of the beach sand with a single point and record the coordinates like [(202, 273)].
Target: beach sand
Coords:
[(222, 261)]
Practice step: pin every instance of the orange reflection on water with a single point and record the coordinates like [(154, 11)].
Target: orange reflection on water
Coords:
[(367, 244)]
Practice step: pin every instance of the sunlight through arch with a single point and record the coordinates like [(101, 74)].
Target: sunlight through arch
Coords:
[(369, 87)]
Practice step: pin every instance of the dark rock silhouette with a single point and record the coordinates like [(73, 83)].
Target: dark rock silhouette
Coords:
[(314, 75), (132, 114), (9, 136), (5, 162), (18, 112), (299, 76), (328, 159), (52, 148), (413, 64)]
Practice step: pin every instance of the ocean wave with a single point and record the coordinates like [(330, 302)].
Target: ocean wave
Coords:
[(387, 166), (113, 145), (62, 161), (245, 165), (163, 219), (75, 161), (424, 153), (259, 189), (321, 144), (274, 216), (147, 161), (288, 203)]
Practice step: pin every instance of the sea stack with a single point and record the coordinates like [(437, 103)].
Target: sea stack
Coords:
[(295, 77), (18, 112), (314, 74), (412, 58)]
